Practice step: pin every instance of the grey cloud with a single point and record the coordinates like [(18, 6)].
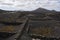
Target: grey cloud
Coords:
[(28, 5)]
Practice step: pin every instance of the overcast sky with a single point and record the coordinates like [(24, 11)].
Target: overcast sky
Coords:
[(29, 5)]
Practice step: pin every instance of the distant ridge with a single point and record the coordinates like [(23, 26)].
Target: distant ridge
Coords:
[(39, 10), (42, 10)]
